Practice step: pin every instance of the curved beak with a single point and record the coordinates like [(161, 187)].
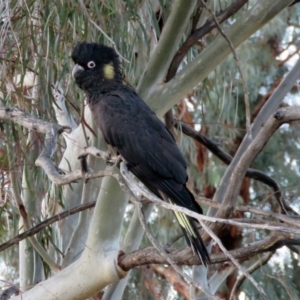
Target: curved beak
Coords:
[(76, 69)]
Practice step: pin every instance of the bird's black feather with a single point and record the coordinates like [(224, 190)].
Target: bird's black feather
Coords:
[(132, 128)]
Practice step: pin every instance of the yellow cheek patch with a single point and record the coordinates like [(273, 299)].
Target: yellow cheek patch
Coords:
[(109, 72)]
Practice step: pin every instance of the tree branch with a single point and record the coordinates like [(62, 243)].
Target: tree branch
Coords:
[(227, 193), (150, 255), (200, 33), (234, 260), (166, 256), (34, 230), (52, 131), (258, 129), (166, 96), (258, 264), (154, 199), (166, 47), (241, 208), (217, 150)]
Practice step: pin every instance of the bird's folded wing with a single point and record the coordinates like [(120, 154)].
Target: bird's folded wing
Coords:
[(140, 137)]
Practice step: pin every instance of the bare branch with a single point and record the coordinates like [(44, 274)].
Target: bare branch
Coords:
[(270, 214), (217, 150), (246, 93), (34, 230), (56, 176), (200, 33), (258, 264), (184, 257), (52, 131), (33, 123), (163, 253), (147, 194), (235, 262), (227, 193)]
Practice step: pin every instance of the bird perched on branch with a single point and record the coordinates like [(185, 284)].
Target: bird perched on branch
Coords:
[(132, 129)]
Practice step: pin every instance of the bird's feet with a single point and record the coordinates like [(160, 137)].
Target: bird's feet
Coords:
[(113, 160)]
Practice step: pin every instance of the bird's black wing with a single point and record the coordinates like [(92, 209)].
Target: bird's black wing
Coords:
[(139, 136), (151, 153)]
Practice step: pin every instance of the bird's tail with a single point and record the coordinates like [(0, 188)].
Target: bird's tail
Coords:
[(165, 190), (192, 236)]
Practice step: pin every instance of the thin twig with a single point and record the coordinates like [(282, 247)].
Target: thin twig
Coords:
[(163, 253), (154, 199), (34, 230), (217, 150), (241, 208), (253, 210), (245, 89), (235, 262), (258, 264)]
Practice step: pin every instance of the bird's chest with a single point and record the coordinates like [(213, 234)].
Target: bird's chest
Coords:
[(113, 113)]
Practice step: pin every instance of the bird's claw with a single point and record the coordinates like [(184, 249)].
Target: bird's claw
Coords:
[(113, 160)]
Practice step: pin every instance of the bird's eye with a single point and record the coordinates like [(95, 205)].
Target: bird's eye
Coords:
[(91, 64)]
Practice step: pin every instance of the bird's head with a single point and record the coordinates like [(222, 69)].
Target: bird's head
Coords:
[(96, 66)]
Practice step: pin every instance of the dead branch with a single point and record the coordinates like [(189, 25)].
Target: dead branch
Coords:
[(52, 132), (34, 230)]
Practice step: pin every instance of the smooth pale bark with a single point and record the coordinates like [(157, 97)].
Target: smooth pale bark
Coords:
[(98, 265), (167, 46), (233, 177), (166, 96), (82, 279), (131, 242)]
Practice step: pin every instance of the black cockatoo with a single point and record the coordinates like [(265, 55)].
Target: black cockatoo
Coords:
[(132, 129)]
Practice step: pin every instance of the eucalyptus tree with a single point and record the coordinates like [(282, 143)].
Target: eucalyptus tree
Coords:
[(217, 72)]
